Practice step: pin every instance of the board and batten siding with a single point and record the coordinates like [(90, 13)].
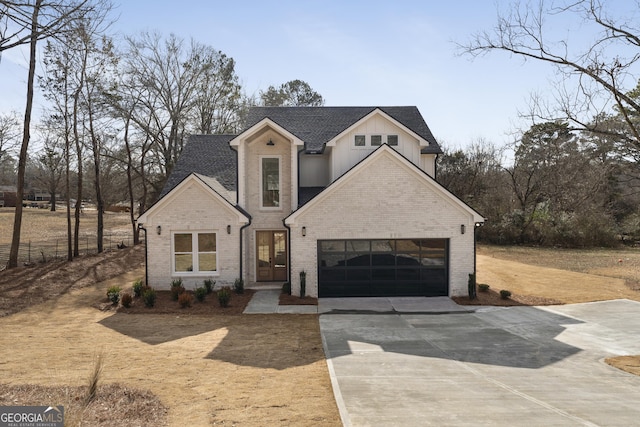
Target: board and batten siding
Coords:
[(344, 155)]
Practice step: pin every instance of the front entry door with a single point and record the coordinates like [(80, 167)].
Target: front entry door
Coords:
[(271, 255)]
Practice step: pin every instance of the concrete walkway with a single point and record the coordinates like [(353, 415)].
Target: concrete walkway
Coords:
[(497, 366), (265, 301)]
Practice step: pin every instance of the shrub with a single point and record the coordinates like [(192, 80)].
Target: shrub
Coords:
[(224, 296), (113, 293), (505, 294), (208, 285), (137, 288), (483, 287), (126, 299), (200, 294), (176, 289), (286, 288), (238, 286), (149, 297), (185, 299)]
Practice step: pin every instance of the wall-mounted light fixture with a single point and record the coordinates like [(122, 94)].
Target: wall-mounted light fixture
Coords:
[(462, 227), (228, 229), (159, 230), (304, 231), (270, 142)]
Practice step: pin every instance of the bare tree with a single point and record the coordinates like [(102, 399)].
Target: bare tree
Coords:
[(50, 168), (9, 134), (27, 22), (594, 78)]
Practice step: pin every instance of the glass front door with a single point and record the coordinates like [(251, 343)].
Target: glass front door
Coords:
[(271, 255)]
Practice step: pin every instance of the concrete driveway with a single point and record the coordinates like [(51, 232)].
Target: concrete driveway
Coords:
[(533, 366)]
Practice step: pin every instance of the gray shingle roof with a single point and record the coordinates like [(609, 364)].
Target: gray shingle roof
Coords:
[(318, 125), (211, 155), (208, 155)]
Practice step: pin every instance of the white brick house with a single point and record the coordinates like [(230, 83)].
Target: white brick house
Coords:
[(346, 194)]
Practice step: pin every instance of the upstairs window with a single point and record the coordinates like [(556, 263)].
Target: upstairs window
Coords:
[(360, 141), (392, 139), (270, 177), (376, 140)]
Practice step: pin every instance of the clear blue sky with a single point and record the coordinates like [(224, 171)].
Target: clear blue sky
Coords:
[(352, 52)]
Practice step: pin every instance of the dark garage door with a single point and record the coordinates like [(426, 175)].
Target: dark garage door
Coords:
[(389, 267)]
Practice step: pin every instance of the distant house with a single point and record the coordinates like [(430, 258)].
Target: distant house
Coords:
[(8, 196), (346, 195)]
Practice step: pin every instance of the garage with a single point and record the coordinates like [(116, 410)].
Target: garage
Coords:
[(383, 267)]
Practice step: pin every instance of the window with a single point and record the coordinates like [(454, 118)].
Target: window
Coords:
[(270, 177), (194, 253), (376, 140), (360, 141), (392, 139)]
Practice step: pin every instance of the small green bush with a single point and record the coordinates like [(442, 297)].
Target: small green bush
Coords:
[(238, 286), (185, 299), (224, 296), (505, 294), (200, 294), (208, 285), (176, 289), (286, 288), (126, 299), (137, 288), (483, 287), (149, 297), (113, 293)]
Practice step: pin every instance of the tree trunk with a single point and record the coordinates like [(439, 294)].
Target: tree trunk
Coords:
[(95, 144), (132, 208), (53, 201), (22, 163)]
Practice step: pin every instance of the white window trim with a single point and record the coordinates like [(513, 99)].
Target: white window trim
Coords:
[(194, 254), (359, 147), (271, 208), (381, 140)]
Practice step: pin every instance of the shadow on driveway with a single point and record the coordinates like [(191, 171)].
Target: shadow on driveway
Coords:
[(490, 336)]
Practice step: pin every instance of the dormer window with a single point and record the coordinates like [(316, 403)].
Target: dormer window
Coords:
[(392, 139), (360, 141), (376, 140), (270, 182)]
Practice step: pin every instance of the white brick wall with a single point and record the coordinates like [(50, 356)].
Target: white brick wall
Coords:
[(385, 199), (192, 209)]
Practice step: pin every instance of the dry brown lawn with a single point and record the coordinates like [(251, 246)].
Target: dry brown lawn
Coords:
[(41, 224)]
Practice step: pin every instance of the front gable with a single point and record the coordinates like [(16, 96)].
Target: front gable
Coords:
[(389, 183), (194, 191)]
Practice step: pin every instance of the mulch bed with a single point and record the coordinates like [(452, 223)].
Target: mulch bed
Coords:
[(165, 304), (493, 298), (286, 299)]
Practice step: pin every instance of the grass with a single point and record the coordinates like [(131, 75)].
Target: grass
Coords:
[(621, 263), (42, 224)]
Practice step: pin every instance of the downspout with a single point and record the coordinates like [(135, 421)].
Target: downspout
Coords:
[(146, 255), (288, 250), (241, 254)]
